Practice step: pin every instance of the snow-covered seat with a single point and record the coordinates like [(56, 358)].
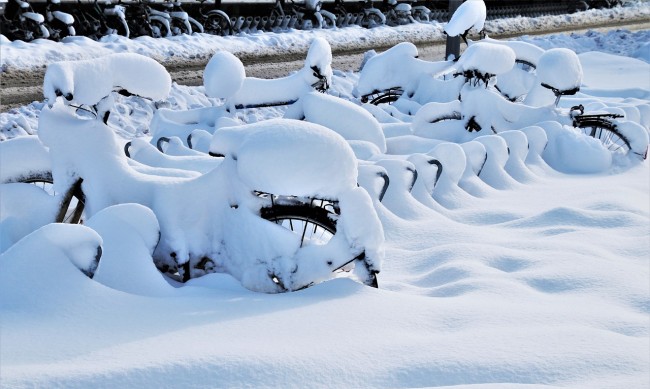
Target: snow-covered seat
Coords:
[(469, 15), (560, 70)]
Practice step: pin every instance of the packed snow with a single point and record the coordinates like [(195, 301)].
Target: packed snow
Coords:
[(513, 249)]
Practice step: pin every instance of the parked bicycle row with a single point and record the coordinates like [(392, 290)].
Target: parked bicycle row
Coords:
[(307, 184), (54, 19)]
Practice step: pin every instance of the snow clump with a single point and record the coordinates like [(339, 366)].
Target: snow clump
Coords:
[(78, 81), (560, 69), (224, 75), (285, 156), (470, 15)]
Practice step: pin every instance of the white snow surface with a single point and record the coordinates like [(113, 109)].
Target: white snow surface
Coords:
[(525, 276)]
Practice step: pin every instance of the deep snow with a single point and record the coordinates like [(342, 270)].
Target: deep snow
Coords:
[(540, 284)]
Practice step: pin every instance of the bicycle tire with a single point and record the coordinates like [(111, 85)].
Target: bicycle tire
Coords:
[(73, 203), (606, 131), (328, 23), (179, 28), (217, 24), (34, 28), (157, 29), (296, 217), (310, 220), (420, 16), (386, 98), (371, 20)]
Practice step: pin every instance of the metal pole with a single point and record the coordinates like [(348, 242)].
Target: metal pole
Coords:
[(453, 43)]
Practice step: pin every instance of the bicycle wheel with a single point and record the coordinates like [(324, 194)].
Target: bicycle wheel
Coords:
[(316, 225), (179, 28), (73, 203), (371, 20), (328, 22), (388, 97), (217, 24), (606, 131), (158, 29), (420, 16), (35, 29)]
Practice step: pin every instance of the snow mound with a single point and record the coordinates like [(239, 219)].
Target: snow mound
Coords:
[(570, 151), (470, 14), (89, 81), (23, 209), (72, 250), (382, 71), (285, 90), (223, 75), (130, 234), (395, 67), (346, 118), (16, 149), (485, 58), (561, 69), (524, 51), (289, 157)]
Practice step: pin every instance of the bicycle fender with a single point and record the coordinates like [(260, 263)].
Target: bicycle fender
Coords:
[(377, 12), (220, 12), (328, 15)]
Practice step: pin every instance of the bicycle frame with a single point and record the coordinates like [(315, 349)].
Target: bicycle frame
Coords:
[(216, 16)]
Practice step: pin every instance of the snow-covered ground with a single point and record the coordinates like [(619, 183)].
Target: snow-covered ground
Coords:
[(34, 55), (542, 284)]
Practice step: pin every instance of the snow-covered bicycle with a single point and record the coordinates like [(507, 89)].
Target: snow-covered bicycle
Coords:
[(495, 86), (280, 211)]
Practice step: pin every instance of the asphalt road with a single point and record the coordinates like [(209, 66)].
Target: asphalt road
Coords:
[(22, 87)]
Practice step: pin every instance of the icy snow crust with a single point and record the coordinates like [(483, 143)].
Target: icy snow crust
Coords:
[(505, 266)]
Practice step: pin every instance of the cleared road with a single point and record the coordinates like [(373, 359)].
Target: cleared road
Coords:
[(23, 87)]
